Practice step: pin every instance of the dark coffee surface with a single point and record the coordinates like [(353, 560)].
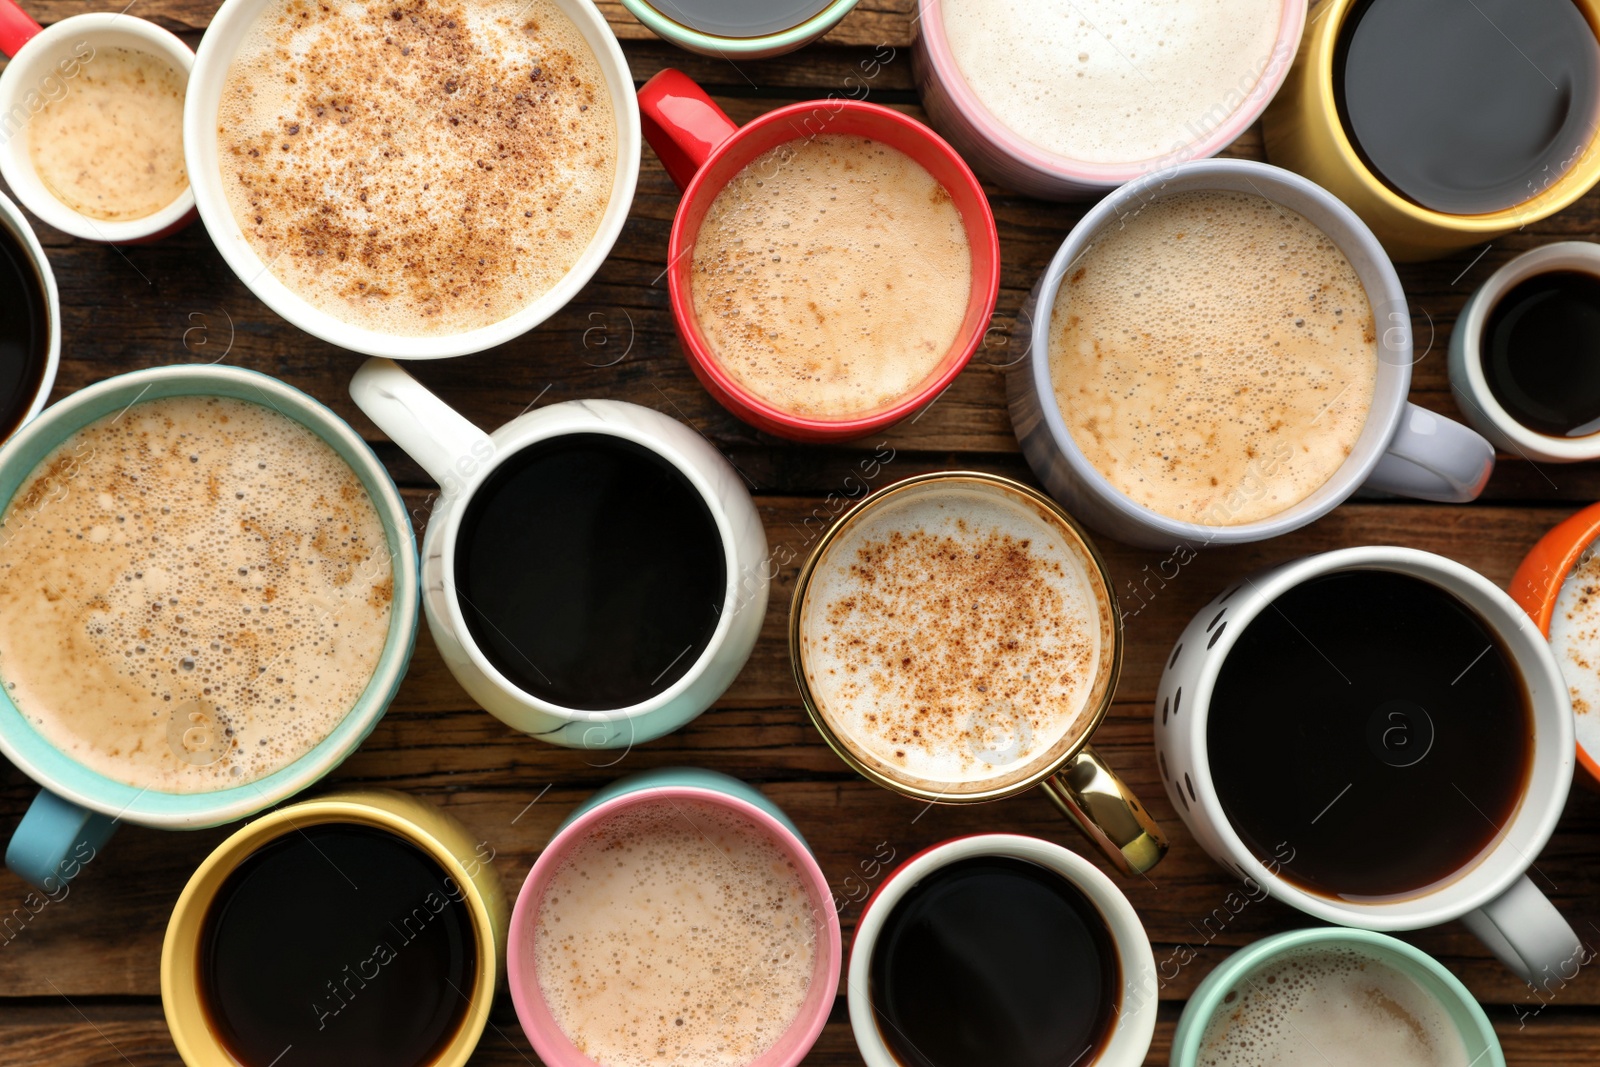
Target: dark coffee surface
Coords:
[(24, 331), (740, 18), (1541, 353), (1468, 106), (591, 572), (337, 946), (994, 962), (1369, 733)]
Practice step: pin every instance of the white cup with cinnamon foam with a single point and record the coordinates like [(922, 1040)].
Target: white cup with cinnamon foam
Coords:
[(413, 180)]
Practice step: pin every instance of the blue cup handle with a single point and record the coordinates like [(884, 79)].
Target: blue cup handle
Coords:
[(54, 841)]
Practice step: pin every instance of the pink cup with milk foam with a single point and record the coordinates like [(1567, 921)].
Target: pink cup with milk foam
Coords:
[(674, 788)]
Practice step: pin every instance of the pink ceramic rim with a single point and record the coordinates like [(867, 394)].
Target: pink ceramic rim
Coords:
[(930, 25), (553, 1046)]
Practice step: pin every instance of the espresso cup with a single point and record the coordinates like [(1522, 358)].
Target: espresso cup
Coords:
[(1305, 133), (1401, 449), (39, 290), (1428, 985), (1490, 892), (677, 791), (703, 150), (998, 742), (1469, 343), (78, 808), (44, 62), (462, 459), (1550, 584), (1001, 154), (1125, 987), (756, 35), (228, 32), (461, 875)]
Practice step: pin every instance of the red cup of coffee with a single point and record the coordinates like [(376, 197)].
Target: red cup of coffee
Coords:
[(833, 266)]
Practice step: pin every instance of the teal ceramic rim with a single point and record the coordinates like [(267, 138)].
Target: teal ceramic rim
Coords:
[(71, 780), (1462, 1006), (783, 41)]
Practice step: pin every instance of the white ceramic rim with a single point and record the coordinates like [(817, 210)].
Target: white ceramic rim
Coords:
[(1555, 753), (1394, 367), (930, 25), (217, 49), (35, 62), (505, 450), (13, 218), (1563, 255), (1133, 1025)]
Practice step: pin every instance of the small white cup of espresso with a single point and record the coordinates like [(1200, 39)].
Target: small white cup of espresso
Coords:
[(1522, 355), (30, 322), (575, 594), (1396, 447), (1377, 811), (45, 69)]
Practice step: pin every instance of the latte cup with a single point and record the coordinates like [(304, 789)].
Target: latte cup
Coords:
[(674, 787), (461, 458), (1000, 154), (1470, 385), (229, 29), (12, 218), (1072, 774), (1216, 995), (43, 64), (1133, 1020), (1402, 448), (703, 150), (1492, 894), (78, 808)]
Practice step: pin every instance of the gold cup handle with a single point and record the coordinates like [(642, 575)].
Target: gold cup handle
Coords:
[(1105, 809)]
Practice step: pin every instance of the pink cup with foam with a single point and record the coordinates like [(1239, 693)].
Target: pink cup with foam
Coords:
[(676, 787)]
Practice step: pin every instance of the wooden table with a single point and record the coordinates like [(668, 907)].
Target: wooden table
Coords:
[(78, 980)]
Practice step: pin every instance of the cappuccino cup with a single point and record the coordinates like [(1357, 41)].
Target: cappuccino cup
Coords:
[(929, 699), (1128, 264), (1404, 800), (594, 570)]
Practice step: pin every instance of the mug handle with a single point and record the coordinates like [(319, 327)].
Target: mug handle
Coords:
[(447, 446), (680, 122), (1089, 792), (17, 27), (1528, 934), (1433, 458), (55, 839)]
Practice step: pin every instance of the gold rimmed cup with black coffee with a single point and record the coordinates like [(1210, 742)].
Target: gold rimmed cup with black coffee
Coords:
[(955, 639)]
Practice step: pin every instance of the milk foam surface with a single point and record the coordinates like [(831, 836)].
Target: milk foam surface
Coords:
[(1575, 640), (1330, 1008), (111, 147), (193, 593), (1114, 81), (831, 276), (417, 167), (675, 934), (1214, 357), (952, 636)]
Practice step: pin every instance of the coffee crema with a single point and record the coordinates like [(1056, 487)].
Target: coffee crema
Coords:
[(831, 277), (1330, 1007), (1108, 81), (675, 933), (954, 636), (193, 593), (417, 167), (1214, 356), (1575, 640), (111, 147)]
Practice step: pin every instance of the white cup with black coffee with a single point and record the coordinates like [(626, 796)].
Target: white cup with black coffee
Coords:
[(594, 572)]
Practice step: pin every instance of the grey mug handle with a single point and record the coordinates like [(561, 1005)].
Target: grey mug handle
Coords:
[(1431, 457)]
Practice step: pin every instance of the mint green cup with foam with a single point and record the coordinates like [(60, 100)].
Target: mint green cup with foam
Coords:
[(740, 29), (1331, 997), (78, 808)]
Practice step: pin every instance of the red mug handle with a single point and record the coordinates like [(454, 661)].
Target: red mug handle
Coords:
[(16, 28), (680, 122)]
